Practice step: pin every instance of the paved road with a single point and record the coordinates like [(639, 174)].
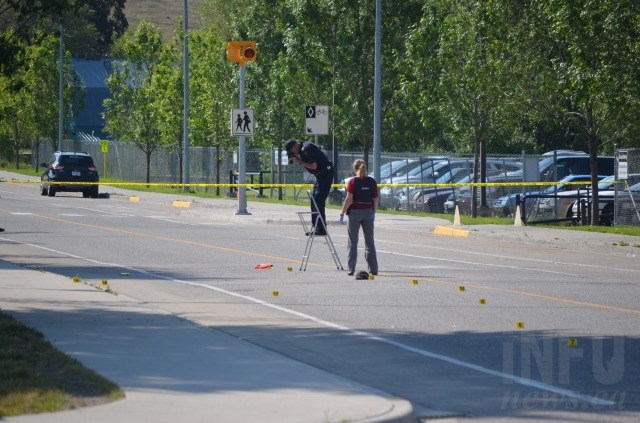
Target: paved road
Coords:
[(546, 327)]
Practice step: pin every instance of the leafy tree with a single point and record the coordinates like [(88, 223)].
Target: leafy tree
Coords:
[(575, 64), (131, 113), (32, 112), (18, 18), (41, 85), (167, 87), (213, 87), (109, 20), (16, 124), (463, 55)]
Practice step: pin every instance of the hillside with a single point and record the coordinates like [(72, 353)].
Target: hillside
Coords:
[(162, 13)]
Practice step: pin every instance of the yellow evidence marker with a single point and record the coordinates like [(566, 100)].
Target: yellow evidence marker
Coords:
[(414, 281), (461, 288), (482, 301), (275, 293), (519, 325)]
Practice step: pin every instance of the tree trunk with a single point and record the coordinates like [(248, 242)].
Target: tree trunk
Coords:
[(593, 166), (148, 154), (476, 168), (218, 170)]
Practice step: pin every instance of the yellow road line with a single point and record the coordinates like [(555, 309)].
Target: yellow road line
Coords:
[(543, 297), (198, 244)]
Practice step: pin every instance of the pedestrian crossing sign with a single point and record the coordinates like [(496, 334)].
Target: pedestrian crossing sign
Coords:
[(241, 122)]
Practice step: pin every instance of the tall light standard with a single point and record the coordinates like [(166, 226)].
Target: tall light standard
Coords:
[(377, 87), (61, 88), (185, 106)]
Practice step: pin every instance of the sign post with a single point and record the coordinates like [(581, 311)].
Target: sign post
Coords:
[(105, 149), (242, 52)]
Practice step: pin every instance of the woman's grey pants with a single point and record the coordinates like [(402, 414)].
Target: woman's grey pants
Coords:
[(362, 218)]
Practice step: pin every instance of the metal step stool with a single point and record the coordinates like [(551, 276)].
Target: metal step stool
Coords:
[(311, 231)]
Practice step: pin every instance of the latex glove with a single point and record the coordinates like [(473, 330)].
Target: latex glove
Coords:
[(342, 219)]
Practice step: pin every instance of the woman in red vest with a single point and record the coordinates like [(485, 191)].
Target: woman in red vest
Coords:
[(361, 204)]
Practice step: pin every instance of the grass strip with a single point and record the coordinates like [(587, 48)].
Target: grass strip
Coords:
[(35, 377)]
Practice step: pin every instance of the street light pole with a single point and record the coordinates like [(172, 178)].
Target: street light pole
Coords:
[(377, 97), (185, 106), (61, 88)]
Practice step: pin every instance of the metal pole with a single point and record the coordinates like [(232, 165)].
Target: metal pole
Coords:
[(242, 157), (377, 84), (185, 106), (61, 89)]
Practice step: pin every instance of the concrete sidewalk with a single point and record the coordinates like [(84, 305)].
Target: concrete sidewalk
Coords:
[(173, 370)]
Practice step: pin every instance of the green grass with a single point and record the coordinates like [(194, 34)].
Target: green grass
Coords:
[(37, 378)]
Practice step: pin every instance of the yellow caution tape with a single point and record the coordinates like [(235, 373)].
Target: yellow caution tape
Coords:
[(257, 186)]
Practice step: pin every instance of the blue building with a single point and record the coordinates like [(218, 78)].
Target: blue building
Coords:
[(94, 75)]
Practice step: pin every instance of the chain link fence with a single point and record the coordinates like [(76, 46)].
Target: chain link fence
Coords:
[(439, 187), (625, 204)]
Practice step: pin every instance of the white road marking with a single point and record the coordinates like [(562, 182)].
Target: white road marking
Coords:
[(466, 252), (366, 335)]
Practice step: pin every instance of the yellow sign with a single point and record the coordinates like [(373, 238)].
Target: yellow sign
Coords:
[(105, 146)]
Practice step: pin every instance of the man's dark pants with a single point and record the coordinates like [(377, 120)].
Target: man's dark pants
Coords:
[(321, 189)]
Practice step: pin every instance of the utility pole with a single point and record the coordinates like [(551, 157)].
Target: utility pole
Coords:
[(377, 96), (61, 88), (185, 106)]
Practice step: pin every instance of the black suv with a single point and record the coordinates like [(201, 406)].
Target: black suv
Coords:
[(70, 172)]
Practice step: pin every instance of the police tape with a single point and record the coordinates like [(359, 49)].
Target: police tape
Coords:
[(258, 186)]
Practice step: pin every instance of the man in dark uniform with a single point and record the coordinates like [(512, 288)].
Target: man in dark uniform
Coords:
[(317, 163)]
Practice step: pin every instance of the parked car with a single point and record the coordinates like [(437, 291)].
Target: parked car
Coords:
[(388, 194), (505, 206), (562, 197), (606, 199), (572, 165), (430, 173), (432, 199), (387, 170), (462, 196), (69, 171)]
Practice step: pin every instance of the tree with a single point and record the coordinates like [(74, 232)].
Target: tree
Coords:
[(463, 61), (578, 68), (16, 124), (41, 85), (131, 112), (33, 112), (109, 20), (213, 86), (18, 19)]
